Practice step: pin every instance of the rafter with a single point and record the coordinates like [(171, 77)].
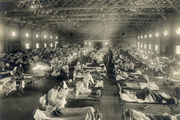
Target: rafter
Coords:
[(92, 14), (175, 8), (97, 19), (163, 17), (35, 27), (9, 22), (24, 24), (97, 7), (139, 28)]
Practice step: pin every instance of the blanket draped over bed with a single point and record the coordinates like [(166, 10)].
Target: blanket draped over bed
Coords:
[(131, 114), (85, 113)]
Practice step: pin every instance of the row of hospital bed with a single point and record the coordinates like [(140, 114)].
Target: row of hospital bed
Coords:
[(84, 106), (132, 106)]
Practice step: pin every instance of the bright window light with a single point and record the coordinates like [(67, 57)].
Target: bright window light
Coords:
[(89, 43), (141, 45), (177, 31), (37, 35), (157, 34), (56, 42), (145, 36), (105, 43), (45, 36), (178, 49), (149, 46), (150, 35), (85, 43), (27, 45), (45, 45), (37, 45), (13, 33), (27, 35), (144, 45), (156, 47), (56, 37), (165, 33), (141, 37), (138, 43), (51, 45), (138, 37), (51, 37)]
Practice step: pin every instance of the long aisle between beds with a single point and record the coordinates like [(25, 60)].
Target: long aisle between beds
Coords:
[(109, 100)]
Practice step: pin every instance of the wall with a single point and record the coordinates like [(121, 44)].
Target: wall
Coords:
[(166, 44), (10, 43), (2, 38)]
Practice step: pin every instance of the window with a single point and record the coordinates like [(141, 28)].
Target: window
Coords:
[(165, 33), (149, 46), (178, 49), (37, 45), (27, 45), (51, 37), (138, 37), (144, 45), (105, 43), (56, 37), (45, 45), (51, 45), (56, 42), (177, 31), (156, 47), (141, 45), (157, 34), (85, 43), (89, 43), (27, 35), (13, 33), (45, 36), (150, 35), (145, 36), (37, 35), (141, 37)]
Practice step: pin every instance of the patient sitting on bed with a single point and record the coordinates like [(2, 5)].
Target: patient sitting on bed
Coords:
[(55, 98), (80, 88)]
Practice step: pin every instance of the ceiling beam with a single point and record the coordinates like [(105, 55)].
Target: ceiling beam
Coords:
[(9, 22), (97, 7), (76, 19), (90, 14), (163, 17), (175, 8), (94, 23), (24, 24), (19, 0)]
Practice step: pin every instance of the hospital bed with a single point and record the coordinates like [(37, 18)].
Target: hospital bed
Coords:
[(137, 114), (85, 113), (125, 100)]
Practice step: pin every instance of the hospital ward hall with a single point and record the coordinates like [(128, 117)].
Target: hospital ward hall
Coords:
[(89, 60)]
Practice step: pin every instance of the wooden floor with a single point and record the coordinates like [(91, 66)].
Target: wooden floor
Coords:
[(109, 102)]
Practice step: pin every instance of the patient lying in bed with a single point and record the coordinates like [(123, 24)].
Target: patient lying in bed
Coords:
[(146, 95), (137, 115)]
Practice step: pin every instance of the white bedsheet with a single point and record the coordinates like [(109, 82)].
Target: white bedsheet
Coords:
[(86, 113)]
